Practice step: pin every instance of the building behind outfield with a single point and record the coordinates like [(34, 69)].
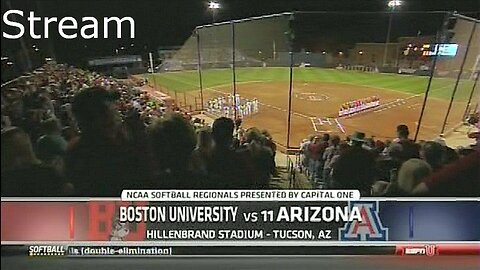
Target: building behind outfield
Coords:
[(119, 66), (464, 32)]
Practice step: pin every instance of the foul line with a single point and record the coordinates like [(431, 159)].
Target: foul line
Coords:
[(339, 126), (313, 124)]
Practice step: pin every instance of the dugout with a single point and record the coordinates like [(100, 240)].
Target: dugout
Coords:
[(303, 65)]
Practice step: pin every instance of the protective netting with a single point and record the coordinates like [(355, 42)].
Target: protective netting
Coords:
[(306, 73), (453, 78)]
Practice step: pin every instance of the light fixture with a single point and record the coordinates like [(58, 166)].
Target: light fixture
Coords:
[(213, 5), (394, 3)]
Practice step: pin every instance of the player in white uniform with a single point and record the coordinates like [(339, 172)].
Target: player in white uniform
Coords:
[(237, 99), (229, 99), (225, 111), (255, 105)]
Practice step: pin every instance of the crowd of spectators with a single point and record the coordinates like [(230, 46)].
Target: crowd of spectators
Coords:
[(400, 167), (70, 132)]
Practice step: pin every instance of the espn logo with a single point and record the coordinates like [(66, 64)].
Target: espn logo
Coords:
[(428, 250)]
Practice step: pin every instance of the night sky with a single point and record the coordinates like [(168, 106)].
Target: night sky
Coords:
[(170, 23)]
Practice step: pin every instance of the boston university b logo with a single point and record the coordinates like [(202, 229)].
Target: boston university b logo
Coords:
[(369, 229)]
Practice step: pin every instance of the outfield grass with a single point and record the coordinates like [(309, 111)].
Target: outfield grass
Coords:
[(188, 80)]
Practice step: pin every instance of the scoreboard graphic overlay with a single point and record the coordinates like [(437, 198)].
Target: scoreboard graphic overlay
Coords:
[(281, 225)]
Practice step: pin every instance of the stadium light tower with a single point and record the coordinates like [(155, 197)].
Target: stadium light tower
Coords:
[(392, 5), (214, 7)]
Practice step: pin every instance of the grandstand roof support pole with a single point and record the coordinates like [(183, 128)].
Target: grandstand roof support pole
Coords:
[(387, 41), (434, 64), (200, 80), (471, 96), (455, 88), (290, 87), (290, 90), (419, 122), (233, 72)]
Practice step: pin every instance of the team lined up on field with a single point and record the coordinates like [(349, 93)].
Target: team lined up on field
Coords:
[(225, 106), (358, 105)]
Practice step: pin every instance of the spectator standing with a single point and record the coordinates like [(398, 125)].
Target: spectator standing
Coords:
[(407, 148), (201, 153), (355, 168), (227, 168), (173, 140), (262, 158), (315, 153), (100, 161), (332, 150)]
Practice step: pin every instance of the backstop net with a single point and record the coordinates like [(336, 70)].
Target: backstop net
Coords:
[(307, 73), (452, 97)]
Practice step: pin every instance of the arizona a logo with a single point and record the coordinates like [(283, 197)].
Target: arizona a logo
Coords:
[(369, 229)]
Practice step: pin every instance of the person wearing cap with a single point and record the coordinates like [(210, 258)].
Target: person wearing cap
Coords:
[(358, 140)]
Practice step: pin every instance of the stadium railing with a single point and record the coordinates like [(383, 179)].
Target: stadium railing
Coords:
[(292, 166)]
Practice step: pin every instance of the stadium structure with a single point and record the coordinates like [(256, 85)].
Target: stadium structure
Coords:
[(304, 66)]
